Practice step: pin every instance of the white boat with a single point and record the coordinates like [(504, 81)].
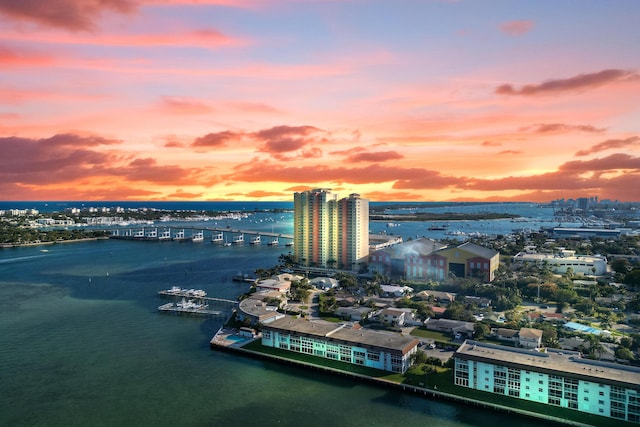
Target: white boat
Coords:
[(165, 235), (189, 305), (274, 242), (198, 236), (238, 239), (217, 237), (255, 240), (179, 235)]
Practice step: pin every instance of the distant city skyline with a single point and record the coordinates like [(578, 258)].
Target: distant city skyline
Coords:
[(435, 100)]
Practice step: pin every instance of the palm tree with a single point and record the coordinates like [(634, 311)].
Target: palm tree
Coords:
[(595, 348)]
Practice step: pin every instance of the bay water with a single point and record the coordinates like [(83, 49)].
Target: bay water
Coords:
[(82, 343)]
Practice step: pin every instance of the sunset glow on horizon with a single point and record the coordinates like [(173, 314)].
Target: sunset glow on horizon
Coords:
[(434, 100)]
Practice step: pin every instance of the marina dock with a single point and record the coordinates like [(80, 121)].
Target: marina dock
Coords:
[(196, 294), (189, 307), (195, 302)]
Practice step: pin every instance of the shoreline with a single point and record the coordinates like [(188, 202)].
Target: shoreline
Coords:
[(57, 242), (424, 392)]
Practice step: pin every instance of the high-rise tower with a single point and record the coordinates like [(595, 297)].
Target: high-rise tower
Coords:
[(353, 231), (329, 232)]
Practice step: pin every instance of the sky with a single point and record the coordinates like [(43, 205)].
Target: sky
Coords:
[(396, 100)]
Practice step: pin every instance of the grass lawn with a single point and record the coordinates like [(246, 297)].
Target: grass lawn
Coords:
[(424, 333), (321, 361), (441, 379), (332, 319)]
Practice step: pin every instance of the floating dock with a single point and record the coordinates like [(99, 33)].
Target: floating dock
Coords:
[(196, 294), (194, 302), (189, 307)]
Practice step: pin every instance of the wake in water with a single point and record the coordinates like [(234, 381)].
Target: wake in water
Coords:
[(20, 259)]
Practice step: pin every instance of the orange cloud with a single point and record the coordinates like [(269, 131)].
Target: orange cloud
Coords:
[(217, 139), (490, 144), (614, 162), (258, 194), (378, 156), (75, 15), (147, 170), (610, 144), (183, 105), (60, 158), (579, 82), (545, 128), (298, 188), (572, 176), (10, 57), (360, 154), (516, 28), (70, 158), (278, 141), (204, 38), (395, 196), (252, 107), (318, 174), (96, 191), (183, 195), (281, 141)]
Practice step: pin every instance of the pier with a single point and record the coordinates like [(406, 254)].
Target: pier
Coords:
[(200, 234), (189, 307), (195, 294), (193, 302)]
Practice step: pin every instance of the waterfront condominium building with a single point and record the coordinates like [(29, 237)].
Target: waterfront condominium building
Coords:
[(374, 349), (553, 377), (330, 232)]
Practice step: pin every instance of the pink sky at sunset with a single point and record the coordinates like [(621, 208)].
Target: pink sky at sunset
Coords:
[(434, 100)]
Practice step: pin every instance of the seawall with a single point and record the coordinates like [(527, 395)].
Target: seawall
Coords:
[(429, 393)]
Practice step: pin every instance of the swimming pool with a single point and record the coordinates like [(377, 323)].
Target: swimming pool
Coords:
[(582, 328)]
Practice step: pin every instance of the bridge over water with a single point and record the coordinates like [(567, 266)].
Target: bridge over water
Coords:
[(195, 234)]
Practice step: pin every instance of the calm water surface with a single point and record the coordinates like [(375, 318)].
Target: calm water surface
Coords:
[(81, 343)]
